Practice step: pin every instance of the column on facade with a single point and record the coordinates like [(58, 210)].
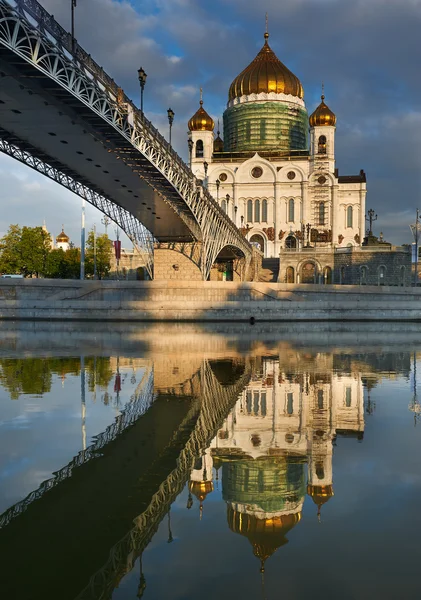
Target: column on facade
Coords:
[(362, 214), (276, 218), (234, 203), (335, 214)]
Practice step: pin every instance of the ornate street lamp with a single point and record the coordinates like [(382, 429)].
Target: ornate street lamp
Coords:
[(171, 115), (218, 183), (205, 166), (142, 80), (190, 145)]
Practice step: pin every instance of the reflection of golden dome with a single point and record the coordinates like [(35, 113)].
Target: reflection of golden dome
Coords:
[(62, 237), (266, 74), (322, 116), (201, 121), (201, 489), (265, 535), (320, 494)]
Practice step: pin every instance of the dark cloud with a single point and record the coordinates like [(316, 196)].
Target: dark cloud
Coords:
[(367, 54)]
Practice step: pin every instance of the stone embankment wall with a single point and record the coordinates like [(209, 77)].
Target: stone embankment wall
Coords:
[(203, 301)]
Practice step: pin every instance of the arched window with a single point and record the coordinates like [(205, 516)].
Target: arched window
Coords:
[(320, 472), (322, 213), (320, 399), (349, 217), (290, 242), (327, 275), (199, 149), (363, 275), (257, 211), (290, 275), (249, 211), (291, 210), (264, 210), (322, 144), (382, 275), (248, 131), (290, 403), (224, 205)]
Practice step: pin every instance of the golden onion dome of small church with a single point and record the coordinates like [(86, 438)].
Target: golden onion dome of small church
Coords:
[(265, 74), (320, 494), (62, 237), (201, 121), (322, 116)]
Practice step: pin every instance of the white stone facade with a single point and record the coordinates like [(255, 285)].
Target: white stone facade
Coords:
[(277, 203)]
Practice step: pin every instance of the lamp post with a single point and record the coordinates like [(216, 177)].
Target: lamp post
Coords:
[(218, 183), (142, 80), (205, 166), (73, 6), (82, 242), (371, 217), (106, 221), (235, 214), (94, 251), (417, 224), (227, 197), (190, 145), (171, 115)]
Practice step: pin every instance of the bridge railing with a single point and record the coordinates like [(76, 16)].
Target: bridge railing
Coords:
[(47, 24), (138, 404)]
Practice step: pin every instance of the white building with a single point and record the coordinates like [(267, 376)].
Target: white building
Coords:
[(276, 446), (275, 173), (63, 240)]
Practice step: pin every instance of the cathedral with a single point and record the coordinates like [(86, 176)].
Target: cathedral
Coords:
[(274, 174)]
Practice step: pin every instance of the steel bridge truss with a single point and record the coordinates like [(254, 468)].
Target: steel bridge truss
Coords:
[(140, 237), (31, 33)]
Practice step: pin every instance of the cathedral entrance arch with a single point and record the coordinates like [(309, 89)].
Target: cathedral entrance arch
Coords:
[(258, 241), (308, 272)]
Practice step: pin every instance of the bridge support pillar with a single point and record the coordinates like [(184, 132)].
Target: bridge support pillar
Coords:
[(177, 261)]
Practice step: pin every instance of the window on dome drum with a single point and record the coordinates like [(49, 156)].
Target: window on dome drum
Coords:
[(262, 129), (249, 211), (322, 213), (264, 211), (291, 210), (257, 211), (248, 131), (320, 399), (199, 149), (322, 145), (290, 403), (224, 205), (290, 242), (348, 397), (349, 216)]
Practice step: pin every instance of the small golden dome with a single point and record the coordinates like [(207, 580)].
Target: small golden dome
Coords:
[(201, 121), (218, 144), (200, 489), (266, 73), (62, 237), (320, 494), (322, 116)]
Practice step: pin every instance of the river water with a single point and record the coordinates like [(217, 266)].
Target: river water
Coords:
[(214, 461)]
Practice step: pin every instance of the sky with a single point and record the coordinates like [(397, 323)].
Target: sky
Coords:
[(366, 52)]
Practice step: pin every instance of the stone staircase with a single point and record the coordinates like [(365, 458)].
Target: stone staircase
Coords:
[(270, 270)]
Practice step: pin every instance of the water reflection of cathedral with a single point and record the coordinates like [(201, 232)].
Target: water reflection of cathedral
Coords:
[(285, 423)]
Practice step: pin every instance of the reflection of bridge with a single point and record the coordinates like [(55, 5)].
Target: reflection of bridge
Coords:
[(62, 115), (139, 472)]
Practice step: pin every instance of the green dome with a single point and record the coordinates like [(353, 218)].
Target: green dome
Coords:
[(269, 484)]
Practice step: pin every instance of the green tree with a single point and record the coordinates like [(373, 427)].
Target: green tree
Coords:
[(103, 254), (72, 262), (10, 251), (63, 264), (35, 246)]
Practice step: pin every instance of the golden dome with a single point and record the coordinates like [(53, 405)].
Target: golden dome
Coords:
[(62, 237), (265, 535), (320, 494), (201, 121), (322, 116), (266, 73), (200, 489)]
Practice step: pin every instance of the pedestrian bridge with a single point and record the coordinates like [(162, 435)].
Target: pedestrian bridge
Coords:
[(63, 116)]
